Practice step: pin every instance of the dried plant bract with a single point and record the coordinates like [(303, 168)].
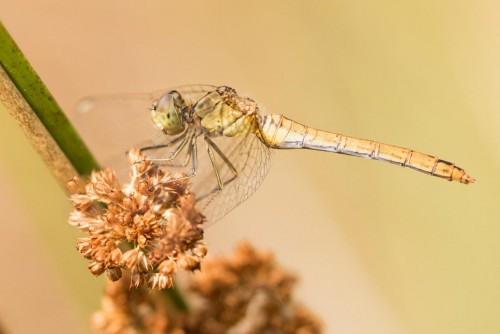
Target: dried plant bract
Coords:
[(149, 226)]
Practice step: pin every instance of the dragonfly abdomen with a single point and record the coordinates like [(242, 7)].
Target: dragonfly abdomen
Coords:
[(277, 131)]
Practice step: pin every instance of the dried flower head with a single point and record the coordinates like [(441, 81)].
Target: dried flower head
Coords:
[(246, 293), (126, 310), (149, 227)]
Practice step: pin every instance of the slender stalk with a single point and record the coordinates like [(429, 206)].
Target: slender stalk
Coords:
[(29, 101), (176, 298)]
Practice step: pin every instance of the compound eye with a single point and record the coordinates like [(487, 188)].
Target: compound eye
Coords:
[(167, 113)]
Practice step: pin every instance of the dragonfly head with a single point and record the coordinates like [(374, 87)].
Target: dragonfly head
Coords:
[(167, 113)]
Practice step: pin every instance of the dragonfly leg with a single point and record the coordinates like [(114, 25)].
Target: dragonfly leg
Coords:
[(170, 143), (223, 157), (164, 161), (214, 165), (192, 155), (220, 183)]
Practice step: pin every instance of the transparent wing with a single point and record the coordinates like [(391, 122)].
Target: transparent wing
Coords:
[(247, 154), (252, 160), (111, 124)]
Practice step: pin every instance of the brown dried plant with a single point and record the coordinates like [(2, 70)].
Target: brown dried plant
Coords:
[(149, 226), (246, 293)]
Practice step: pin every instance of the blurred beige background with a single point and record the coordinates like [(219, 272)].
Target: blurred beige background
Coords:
[(379, 249)]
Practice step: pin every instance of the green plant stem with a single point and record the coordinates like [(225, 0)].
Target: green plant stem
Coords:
[(175, 296), (43, 105)]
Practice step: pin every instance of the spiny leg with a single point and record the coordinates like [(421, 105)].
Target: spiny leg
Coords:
[(220, 183), (223, 156), (170, 143), (189, 154), (161, 161), (153, 147), (214, 165), (192, 154)]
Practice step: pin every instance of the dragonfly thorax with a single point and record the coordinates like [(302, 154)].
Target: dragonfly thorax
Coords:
[(223, 113), (166, 113)]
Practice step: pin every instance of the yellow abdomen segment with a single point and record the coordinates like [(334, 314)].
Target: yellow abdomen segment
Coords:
[(277, 131)]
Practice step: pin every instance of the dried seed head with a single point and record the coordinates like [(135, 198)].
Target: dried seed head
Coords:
[(189, 263), (96, 268), (167, 268), (142, 263), (116, 216), (114, 274), (115, 256), (142, 241), (81, 202), (129, 259), (136, 278), (246, 294), (76, 185), (160, 281), (200, 250), (143, 188), (249, 292)]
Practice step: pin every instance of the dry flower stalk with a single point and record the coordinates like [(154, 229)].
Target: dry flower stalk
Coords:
[(246, 293), (155, 213)]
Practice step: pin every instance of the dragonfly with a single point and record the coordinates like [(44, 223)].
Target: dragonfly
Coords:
[(237, 141)]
